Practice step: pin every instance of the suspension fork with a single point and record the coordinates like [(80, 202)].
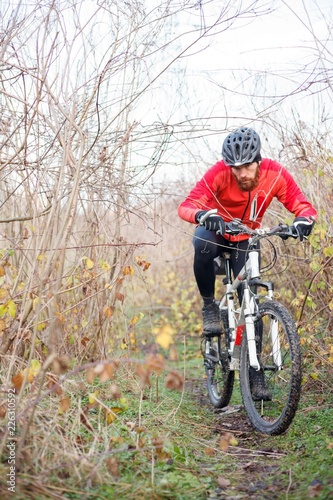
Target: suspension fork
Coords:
[(274, 327), (228, 303), (274, 324), (249, 316)]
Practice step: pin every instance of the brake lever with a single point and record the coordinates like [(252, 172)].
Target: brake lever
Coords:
[(287, 232), (233, 227)]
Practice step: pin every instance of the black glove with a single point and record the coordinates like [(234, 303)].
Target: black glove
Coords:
[(303, 226), (212, 223)]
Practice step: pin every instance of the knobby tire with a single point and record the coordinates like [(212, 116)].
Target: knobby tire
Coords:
[(275, 416), (220, 380)]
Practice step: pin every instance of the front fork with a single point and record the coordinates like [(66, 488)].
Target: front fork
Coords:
[(248, 316)]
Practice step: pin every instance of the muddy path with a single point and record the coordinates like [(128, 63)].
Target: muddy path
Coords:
[(252, 469)]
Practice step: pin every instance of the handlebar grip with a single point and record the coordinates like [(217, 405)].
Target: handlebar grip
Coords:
[(206, 215)]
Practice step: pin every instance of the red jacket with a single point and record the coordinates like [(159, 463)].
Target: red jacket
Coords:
[(218, 189)]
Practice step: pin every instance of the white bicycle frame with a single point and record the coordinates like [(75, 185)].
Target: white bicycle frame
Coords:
[(243, 317)]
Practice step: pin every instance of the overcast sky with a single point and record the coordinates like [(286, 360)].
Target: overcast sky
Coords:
[(245, 73), (240, 74), (279, 45)]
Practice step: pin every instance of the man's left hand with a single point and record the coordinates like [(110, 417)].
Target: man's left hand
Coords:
[(303, 226)]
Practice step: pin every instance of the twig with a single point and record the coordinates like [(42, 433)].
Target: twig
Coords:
[(289, 485), (310, 284)]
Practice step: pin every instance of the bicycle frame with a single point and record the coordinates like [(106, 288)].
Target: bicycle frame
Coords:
[(270, 342), (244, 317)]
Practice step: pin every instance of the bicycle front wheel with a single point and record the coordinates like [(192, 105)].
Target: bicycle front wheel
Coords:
[(271, 395), (220, 380)]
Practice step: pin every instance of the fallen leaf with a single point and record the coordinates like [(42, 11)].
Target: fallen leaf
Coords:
[(315, 488), (65, 404), (174, 380), (107, 372), (17, 381), (143, 374), (92, 397), (60, 365), (227, 439), (224, 444), (222, 482), (115, 391), (112, 466), (155, 363), (110, 416)]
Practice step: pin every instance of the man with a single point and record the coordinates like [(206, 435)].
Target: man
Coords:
[(241, 186)]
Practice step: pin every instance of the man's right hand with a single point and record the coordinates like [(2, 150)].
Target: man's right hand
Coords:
[(212, 223)]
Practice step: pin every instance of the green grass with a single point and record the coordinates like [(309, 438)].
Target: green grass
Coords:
[(165, 444)]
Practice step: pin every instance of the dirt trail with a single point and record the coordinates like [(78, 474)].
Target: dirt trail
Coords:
[(252, 465)]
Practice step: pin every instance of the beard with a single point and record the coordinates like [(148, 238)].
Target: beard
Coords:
[(249, 185)]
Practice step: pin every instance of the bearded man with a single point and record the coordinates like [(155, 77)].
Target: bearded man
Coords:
[(242, 186)]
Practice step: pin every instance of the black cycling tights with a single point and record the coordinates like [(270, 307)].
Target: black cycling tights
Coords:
[(207, 246)]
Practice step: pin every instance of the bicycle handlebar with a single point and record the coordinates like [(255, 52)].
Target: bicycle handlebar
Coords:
[(237, 227)]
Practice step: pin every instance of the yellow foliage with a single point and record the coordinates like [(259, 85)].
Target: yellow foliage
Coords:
[(128, 270), (142, 262), (104, 265), (164, 340), (164, 336), (89, 263), (92, 397), (110, 416), (11, 308)]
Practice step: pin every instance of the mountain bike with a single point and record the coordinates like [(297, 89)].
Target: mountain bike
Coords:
[(258, 338)]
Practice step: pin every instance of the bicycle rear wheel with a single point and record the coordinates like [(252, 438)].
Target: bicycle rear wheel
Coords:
[(279, 353), (220, 380)]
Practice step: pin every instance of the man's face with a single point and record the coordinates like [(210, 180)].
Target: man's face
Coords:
[(247, 176)]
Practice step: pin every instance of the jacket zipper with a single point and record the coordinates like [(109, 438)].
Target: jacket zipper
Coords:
[(247, 205)]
